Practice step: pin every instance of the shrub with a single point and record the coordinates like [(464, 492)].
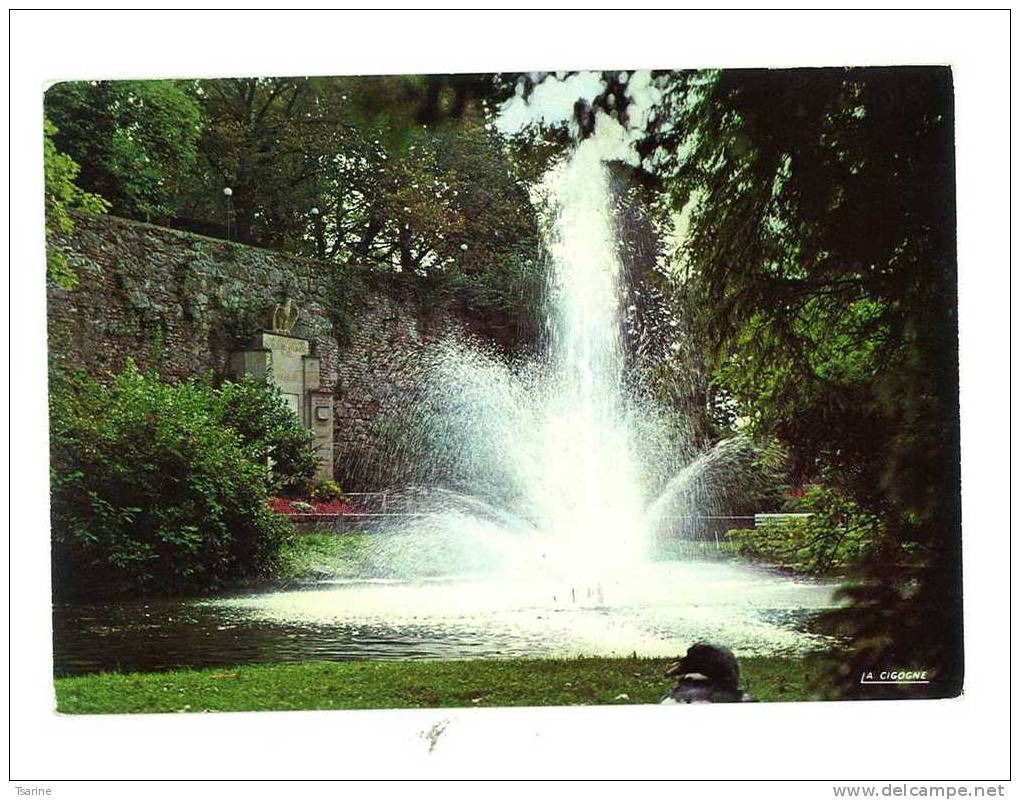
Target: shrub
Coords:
[(151, 492), (327, 491), (836, 536), (270, 431), (62, 194)]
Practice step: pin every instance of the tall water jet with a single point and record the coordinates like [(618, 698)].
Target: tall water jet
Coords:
[(591, 505)]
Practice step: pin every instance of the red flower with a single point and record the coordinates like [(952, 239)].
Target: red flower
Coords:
[(284, 505)]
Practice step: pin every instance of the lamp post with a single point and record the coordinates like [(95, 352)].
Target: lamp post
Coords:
[(320, 239), (228, 193)]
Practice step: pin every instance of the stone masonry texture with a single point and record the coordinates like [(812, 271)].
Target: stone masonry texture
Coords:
[(181, 303)]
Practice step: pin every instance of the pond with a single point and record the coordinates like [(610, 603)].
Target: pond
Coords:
[(659, 612)]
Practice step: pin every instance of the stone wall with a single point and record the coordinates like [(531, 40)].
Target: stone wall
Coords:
[(379, 372), (183, 304), (177, 302)]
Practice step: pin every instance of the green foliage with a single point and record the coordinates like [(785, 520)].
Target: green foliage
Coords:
[(316, 556), (819, 261), (309, 557), (512, 284), (836, 537), (136, 141), (327, 491), (262, 137), (62, 194), (271, 431), (347, 298), (449, 207), (158, 487)]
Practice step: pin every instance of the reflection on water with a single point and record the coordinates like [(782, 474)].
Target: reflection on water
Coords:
[(753, 611)]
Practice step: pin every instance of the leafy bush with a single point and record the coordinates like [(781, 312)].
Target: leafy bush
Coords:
[(512, 284), (836, 537), (136, 141), (153, 491), (327, 491), (62, 194), (271, 432)]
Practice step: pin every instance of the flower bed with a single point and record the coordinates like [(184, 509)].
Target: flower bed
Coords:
[(298, 508)]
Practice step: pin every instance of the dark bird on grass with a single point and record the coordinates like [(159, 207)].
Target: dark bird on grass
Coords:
[(708, 673)]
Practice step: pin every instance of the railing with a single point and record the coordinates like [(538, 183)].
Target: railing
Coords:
[(764, 520), (697, 531)]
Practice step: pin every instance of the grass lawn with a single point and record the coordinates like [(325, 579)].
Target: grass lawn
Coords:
[(307, 557), (312, 556), (411, 684)]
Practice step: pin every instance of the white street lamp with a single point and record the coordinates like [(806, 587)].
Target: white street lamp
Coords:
[(227, 193), (320, 241)]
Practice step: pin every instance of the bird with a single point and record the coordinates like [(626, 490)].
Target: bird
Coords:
[(708, 673)]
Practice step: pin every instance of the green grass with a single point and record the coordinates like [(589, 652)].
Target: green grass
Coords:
[(412, 684), (312, 556)]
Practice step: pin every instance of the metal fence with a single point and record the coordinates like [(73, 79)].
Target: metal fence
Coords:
[(698, 531)]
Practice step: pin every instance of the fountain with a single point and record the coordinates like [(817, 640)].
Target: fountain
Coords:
[(548, 483)]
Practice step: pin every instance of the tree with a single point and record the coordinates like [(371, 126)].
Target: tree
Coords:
[(451, 201), (447, 204), (62, 194), (821, 255), (263, 138), (135, 141), (389, 190)]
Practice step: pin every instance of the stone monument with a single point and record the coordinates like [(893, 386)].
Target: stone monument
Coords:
[(289, 362)]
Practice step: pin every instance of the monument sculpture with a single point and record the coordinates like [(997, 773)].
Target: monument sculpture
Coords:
[(284, 317)]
